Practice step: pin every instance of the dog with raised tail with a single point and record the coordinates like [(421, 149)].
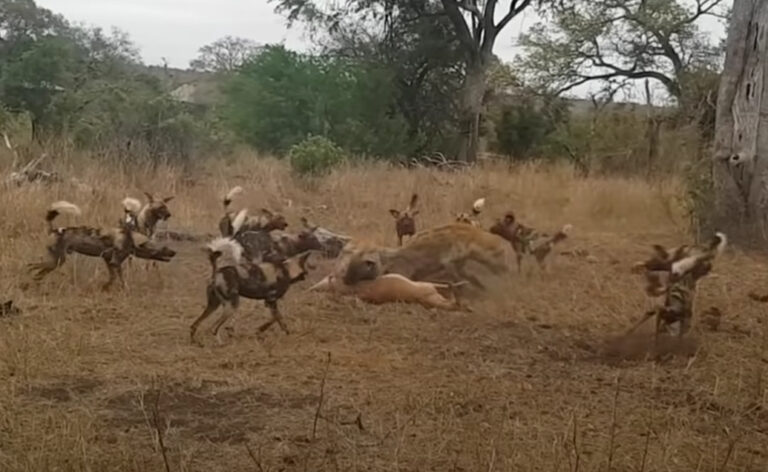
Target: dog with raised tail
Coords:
[(112, 245), (145, 218), (526, 240), (471, 218), (234, 277), (682, 269)]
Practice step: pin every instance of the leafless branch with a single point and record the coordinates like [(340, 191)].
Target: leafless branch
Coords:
[(254, 458), (613, 422), (156, 423), (322, 396)]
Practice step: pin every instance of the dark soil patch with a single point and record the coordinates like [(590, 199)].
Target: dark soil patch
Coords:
[(215, 416), (65, 391)]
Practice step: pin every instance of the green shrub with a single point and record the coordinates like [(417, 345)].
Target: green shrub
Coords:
[(314, 156)]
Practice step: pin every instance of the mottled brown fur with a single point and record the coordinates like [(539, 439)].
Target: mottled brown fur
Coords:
[(405, 222), (112, 245), (526, 240), (235, 278)]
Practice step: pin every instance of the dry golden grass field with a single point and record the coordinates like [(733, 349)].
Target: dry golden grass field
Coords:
[(533, 379)]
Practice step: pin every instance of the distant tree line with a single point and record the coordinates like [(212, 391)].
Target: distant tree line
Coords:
[(389, 79)]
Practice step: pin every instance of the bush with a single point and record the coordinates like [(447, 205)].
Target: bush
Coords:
[(314, 156)]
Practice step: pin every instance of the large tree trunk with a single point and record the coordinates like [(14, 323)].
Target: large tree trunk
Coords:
[(741, 127), (472, 94)]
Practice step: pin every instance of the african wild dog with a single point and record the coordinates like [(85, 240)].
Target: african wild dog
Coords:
[(112, 245), (526, 240), (144, 218), (235, 277), (405, 223), (684, 267), (471, 218)]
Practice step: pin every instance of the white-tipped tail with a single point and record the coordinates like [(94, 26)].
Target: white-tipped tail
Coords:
[(567, 228), (65, 207), (233, 192), (478, 206), (685, 264), (240, 218), (722, 244), (231, 252), (131, 205)]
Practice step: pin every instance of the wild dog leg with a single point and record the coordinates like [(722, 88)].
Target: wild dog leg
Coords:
[(276, 317), (230, 308), (214, 302)]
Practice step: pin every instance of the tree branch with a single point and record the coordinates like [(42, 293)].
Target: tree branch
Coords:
[(460, 25), (514, 10)]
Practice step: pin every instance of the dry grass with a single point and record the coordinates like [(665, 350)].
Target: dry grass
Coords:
[(523, 384)]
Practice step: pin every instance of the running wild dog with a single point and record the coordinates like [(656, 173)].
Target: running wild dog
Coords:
[(526, 240), (471, 218), (144, 218), (436, 252), (234, 277), (112, 245), (405, 223), (685, 266)]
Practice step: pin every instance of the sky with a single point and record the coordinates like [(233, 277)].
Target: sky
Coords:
[(173, 30)]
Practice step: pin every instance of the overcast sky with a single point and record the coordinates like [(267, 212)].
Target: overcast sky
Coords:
[(175, 29)]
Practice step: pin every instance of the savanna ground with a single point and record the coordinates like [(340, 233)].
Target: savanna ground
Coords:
[(529, 381)]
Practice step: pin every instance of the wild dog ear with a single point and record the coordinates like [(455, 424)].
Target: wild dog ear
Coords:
[(414, 212), (661, 251), (395, 213), (168, 199), (267, 213), (414, 201), (509, 218), (150, 198)]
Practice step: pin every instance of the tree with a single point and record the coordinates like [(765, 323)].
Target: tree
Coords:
[(417, 48), (615, 41), (475, 27), (741, 129), (280, 97), (224, 55)]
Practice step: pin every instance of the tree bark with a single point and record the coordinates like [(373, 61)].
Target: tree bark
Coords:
[(471, 109), (740, 161)]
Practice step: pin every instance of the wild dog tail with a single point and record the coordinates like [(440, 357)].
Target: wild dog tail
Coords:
[(233, 192), (225, 252), (562, 234), (478, 206), (716, 247), (131, 205), (719, 243), (58, 208), (239, 220)]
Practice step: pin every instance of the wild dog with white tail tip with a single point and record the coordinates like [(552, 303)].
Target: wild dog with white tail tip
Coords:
[(526, 240), (683, 268), (235, 277), (471, 218), (112, 245), (144, 218)]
